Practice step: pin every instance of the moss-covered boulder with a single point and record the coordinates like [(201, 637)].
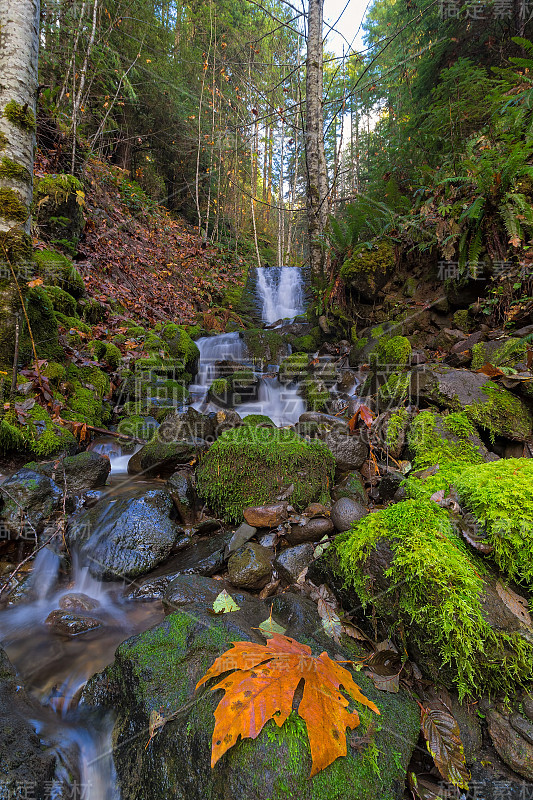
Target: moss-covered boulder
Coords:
[(294, 368), (445, 601), (58, 202), (161, 457), (78, 474), (44, 328), (27, 499), (486, 403), (62, 301), (57, 270), (240, 387), (158, 671), (368, 270), (437, 439), (180, 346), (39, 434), (250, 466), (502, 353), (500, 495), (265, 347)]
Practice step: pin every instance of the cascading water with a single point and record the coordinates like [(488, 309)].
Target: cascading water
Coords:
[(280, 292)]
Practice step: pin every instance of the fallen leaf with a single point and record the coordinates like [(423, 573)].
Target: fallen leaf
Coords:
[(224, 603), (261, 687), (269, 626), (444, 744)]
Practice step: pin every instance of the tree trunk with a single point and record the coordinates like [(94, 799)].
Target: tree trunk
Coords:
[(317, 179), (19, 47)]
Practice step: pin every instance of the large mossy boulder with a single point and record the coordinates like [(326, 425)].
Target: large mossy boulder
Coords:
[(158, 671), (441, 438), (367, 271), (125, 538), (446, 602), (56, 269), (78, 473), (265, 347), (27, 499), (485, 403), (58, 201), (252, 466)]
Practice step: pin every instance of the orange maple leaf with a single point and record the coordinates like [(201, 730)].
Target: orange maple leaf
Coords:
[(262, 687)]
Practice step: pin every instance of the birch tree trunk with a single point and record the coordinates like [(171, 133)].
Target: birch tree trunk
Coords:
[(19, 47), (317, 179)]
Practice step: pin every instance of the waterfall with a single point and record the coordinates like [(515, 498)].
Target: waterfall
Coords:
[(280, 292)]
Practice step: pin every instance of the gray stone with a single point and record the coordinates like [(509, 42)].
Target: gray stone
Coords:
[(242, 535), (351, 486), (160, 457), (345, 512), (203, 556), (28, 499), (323, 419), (179, 487), (510, 745), (187, 590), (349, 451), (250, 567), (82, 473), (291, 561), (313, 530), (127, 537)]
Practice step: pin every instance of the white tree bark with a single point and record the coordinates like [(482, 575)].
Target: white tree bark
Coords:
[(19, 48), (317, 177)]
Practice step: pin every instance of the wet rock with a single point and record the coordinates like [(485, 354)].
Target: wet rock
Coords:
[(345, 512), (268, 540), (350, 452), (27, 759), (313, 530), (485, 403), (78, 602), (28, 499), (527, 704), (207, 526), (127, 537), (351, 486), (269, 516), (389, 485), (68, 624), (82, 473), (203, 556), (510, 745), (188, 425), (162, 665), (290, 562), (242, 535), (522, 726), (159, 457), (250, 567), (323, 419), (187, 590), (179, 486)]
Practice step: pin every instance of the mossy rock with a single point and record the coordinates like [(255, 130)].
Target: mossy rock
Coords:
[(293, 368), (44, 328), (316, 394), (260, 420), (437, 439), (106, 352), (58, 202), (500, 495), (463, 321), (84, 405), (365, 345), (368, 270), (395, 390), (395, 429), (39, 435), (55, 372), (392, 351), (74, 323), (180, 346), (499, 353), (250, 466), (62, 301), (158, 671), (91, 311), (411, 549), (308, 343), (58, 270), (265, 347)]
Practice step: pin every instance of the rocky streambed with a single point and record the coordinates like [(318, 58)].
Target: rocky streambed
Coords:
[(391, 512)]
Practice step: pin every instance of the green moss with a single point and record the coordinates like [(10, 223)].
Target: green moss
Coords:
[(73, 322), (500, 495), (365, 262), (11, 438), (396, 428), (4, 141), (59, 187), (12, 207), (112, 356), (55, 372), (506, 355), (396, 389), (58, 270), (437, 440), (137, 426), (503, 413), (136, 331), (19, 115), (85, 406), (394, 350), (305, 344), (219, 389), (10, 169), (264, 346), (316, 394), (181, 346), (438, 590), (462, 320), (258, 419), (17, 245), (248, 466), (153, 342), (43, 325), (62, 301), (96, 378), (294, 367)]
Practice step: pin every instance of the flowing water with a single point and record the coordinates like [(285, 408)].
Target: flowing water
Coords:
[(55, 667), (280, 295)]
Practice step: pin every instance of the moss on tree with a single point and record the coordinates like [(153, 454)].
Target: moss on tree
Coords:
[(19, 115)]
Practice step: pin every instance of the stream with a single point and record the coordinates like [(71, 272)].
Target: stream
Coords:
[(56, 667)]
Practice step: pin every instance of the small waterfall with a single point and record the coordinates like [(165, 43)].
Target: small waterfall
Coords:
[(282, 404), (224, 347), (280, 292)]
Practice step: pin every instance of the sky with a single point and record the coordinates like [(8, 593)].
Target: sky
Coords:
[(348, 24)]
